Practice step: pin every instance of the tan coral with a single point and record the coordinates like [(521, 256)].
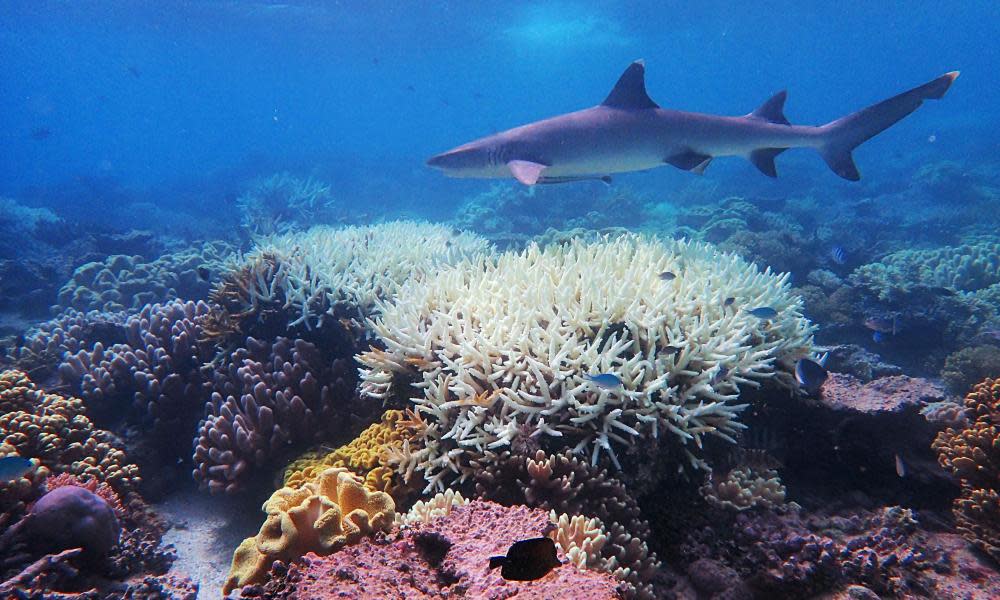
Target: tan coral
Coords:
[(744, 488), (55, 430), (367, 455), (320, 517), (440, 505)]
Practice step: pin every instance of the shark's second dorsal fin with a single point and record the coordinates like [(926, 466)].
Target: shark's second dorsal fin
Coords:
[(772, 111), (630, 91)]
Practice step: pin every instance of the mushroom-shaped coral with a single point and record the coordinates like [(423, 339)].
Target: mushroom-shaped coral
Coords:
[(973, 454), (491, 347), (320, 517)]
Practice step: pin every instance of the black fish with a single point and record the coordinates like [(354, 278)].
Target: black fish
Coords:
[(204, 273), (527, 560), (810, 374)]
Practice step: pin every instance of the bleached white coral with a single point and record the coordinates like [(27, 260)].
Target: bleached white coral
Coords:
[(493, 347), (440, 505), (279, 203), (324, 267)]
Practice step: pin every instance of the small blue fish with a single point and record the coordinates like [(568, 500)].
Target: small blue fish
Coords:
[(729, 302), (608, 381), (13, 467), (810, 374), (878, 337), (764, 312), (667, 276), (838, 254)]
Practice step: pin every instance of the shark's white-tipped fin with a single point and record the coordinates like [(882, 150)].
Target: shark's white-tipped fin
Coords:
[(525, 171), (630, 91)]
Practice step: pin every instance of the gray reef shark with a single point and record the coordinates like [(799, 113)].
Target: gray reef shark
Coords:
[(630, 132)]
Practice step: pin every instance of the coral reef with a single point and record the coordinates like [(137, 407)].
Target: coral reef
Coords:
[(267, 398), (55, 430), (743, 488), (447, 556), (282, 202), (129, 282), (973, 455), (327, 271), (573, 488), (319, 517), (439, 505), (970, 365), (490, 348), (366, 456), (798, 555)]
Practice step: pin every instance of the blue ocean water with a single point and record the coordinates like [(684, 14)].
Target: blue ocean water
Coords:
[(174, 102), (146, 146)]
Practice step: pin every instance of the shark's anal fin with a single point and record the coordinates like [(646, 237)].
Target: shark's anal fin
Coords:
[(763, 159), (630, 91), (689, 161), (525, 171)]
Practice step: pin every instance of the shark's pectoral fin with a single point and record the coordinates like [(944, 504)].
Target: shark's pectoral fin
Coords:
[(689, 161), (763, 159), (525, 171)]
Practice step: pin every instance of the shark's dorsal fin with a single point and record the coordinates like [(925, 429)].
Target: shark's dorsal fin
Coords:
[(772, 111), (630, 91)]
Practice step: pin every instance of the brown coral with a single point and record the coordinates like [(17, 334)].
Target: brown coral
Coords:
[(55, 430), (320, 517), (973, 454)]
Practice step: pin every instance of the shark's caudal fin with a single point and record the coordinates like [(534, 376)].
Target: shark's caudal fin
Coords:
[(847, 133)]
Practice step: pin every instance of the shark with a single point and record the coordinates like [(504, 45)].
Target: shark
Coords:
[(629, 132)]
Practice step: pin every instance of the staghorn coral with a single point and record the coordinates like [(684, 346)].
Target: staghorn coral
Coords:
[(55, 430), (129, 282), (266, 397), (490, 347), (366, 456), (744, 488), (973, 454), (283, 202), (347, 271), (320, 517)]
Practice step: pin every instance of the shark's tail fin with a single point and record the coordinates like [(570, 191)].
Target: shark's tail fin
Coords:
[(847, 133)]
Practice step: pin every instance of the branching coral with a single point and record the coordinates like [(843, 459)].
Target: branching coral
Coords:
[(282, 202), (973, 454), (490, 347), (319, 517), (130, 282), (439, 505), (55, 430), (330, 271), (266, 397)]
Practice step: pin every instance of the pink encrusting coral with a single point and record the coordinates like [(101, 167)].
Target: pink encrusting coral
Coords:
[(446, 558)]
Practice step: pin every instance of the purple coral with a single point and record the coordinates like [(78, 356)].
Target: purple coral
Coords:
[(158, 370), (67, 517), (268, 397)]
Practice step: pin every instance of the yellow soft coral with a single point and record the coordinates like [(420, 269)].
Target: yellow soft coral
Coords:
[(321, 516), (367, 456), (55, 430)]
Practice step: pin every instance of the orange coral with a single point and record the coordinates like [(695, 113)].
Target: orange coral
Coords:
[(55, 430), (973, 454), (97, 487)]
